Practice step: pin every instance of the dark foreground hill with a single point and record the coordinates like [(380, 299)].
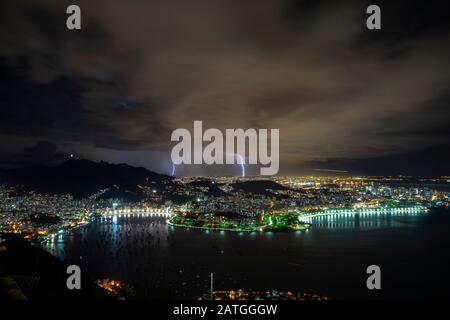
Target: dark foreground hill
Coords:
[(37, 275), (83, 178)]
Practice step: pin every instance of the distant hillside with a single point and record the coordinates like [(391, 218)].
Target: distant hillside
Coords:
[(258, 186), (82, 178), (213, 189)]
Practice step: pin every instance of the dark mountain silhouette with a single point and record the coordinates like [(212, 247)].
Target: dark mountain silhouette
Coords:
[(213, 188), (83, 178)]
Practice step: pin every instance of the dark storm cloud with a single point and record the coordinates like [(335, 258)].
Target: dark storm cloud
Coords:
[(140, 69), (43, 152), (428, 124), (425, 162)]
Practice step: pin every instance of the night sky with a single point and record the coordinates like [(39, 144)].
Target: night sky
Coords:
[(343, 97)]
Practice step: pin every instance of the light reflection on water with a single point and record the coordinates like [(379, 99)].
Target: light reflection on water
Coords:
[(364, 220), (329, 258)]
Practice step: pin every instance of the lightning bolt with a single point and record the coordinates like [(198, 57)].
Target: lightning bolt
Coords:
[(242, 163)]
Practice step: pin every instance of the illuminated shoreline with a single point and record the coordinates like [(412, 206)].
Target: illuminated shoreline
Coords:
[(306, 216), (256, 229), (270, 226), (284, 222)]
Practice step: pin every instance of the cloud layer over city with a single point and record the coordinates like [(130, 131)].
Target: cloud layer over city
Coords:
[(341, 95)]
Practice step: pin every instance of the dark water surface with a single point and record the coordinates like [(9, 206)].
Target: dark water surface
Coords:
[(331, 258)]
